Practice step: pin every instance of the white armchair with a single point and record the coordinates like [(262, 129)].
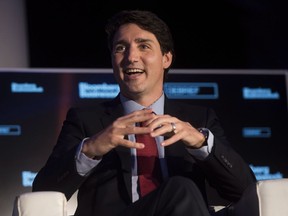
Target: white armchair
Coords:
[(44, 203), (264, 198)]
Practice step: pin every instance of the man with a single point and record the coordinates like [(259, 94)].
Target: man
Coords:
[(99, 148)]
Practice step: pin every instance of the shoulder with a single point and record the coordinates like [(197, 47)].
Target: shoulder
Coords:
[(198, 116), (97, 109), (187, 107)]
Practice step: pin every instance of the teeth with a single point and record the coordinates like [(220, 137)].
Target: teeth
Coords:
[(133, 71)]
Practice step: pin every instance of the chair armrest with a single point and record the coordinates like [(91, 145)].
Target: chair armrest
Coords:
[(72, 204), (264, 198), (44, 203)]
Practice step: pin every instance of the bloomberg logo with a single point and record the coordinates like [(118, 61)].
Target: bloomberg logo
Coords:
[(263, 173), (259, 93), (103, 90), (26, 88)]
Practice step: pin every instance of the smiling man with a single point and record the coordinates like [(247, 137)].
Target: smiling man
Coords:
[(142, 153), (139, 64)]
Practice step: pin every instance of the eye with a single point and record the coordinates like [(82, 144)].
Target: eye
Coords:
[(119, 48), (144, 46)]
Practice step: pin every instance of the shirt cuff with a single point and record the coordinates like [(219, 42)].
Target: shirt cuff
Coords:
[(84, 164), (204, 151)]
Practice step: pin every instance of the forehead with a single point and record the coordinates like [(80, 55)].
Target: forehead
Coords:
[(132, 32)]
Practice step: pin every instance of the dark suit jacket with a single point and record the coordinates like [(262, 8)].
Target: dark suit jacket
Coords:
[(221, 177)]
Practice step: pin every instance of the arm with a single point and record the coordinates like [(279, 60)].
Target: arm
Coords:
[(59, 172), (224, 169)]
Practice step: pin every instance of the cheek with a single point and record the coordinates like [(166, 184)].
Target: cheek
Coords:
[(114, 64), (118, 76), (156, 62), (153, 60), (116, 59), (116, 68)]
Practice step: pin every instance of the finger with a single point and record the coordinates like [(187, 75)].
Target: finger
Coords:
[(134, 130), (167, 129), (160, 130), (172, 139), (137, 116), (130, 144), (163, 120)]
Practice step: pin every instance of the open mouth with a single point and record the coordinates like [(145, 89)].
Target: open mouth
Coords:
[(133, 71)]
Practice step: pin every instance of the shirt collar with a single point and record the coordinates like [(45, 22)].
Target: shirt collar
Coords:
[(131, 106)]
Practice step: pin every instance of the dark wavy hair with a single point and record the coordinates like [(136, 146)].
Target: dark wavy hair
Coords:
[(145, 20)]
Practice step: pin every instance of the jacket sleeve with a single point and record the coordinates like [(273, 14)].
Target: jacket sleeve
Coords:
[(59, 173), (225, 170)]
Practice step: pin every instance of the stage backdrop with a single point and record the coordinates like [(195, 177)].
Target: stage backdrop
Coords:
[(251, 104)]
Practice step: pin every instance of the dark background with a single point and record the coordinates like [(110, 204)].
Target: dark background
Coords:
[(207, 33)]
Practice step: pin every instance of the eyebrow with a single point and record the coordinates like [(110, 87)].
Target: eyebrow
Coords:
[(137, 40), (141, 40)]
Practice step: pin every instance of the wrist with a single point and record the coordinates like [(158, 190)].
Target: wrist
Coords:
[(205, 133), (88, 150), (203, 137)]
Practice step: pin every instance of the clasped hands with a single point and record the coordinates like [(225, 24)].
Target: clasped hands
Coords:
[(156, 125)]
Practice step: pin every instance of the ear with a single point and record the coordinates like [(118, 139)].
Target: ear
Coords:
[(167, 60)]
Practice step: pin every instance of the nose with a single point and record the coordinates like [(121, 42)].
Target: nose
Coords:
[(132, 54)]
